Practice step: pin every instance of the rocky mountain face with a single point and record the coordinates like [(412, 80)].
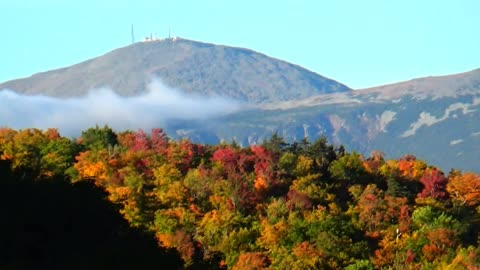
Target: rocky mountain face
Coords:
[(433, 118), (190, 66)]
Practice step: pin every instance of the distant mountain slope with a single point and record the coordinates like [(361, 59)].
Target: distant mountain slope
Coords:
[(435, 118), (191, 66), (434, 87)]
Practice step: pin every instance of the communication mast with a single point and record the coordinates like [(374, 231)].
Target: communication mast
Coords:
[(133, 35)]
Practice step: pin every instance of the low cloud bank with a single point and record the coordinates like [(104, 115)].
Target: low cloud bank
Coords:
[(104, 107)]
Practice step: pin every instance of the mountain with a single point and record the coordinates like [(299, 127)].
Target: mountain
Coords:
[(434, 118), (191, 66)]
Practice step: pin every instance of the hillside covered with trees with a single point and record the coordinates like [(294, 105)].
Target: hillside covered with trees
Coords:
[(153, 201)]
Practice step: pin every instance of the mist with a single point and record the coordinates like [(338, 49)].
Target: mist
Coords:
[(104, 107)]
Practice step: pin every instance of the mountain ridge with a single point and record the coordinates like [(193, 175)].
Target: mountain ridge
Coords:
[(445, 84), (190, 66), (454, 85)]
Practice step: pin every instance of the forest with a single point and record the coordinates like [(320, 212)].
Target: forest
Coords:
[(137, 200)]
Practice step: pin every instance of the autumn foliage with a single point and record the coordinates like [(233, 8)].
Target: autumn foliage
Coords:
[(307, 205)]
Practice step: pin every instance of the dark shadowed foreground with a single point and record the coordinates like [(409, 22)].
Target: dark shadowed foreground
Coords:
[(52, 224)]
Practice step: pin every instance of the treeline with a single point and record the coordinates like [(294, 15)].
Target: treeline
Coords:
[(304, 205)]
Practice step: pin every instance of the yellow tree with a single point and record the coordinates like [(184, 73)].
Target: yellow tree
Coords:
[(465, 189), (90, 165)]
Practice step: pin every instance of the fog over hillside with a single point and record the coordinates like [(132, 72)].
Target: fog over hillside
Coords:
[(104, 107)]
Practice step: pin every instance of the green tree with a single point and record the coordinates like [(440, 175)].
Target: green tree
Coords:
[(98, 138), (349, 169), (276, 144)]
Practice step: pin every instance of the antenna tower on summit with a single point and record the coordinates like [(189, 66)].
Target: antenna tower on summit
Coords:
[(169, 36), (133, 35)]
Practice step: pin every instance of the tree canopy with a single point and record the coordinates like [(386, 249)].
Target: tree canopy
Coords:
[(307, 205)]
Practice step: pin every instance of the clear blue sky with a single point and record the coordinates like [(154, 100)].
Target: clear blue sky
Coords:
[(359, 43)]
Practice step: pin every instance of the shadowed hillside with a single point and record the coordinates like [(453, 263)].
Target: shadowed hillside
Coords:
[(52, 224)]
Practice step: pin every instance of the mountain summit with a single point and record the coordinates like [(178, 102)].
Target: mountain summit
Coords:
[(191, 66)]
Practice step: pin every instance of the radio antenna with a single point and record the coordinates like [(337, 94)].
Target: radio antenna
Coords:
[(133, 35)]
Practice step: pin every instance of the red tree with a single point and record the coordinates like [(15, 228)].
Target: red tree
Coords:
[(435, 184)]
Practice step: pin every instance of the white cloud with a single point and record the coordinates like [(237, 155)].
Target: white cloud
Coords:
[(455, 142), (102, 106)]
